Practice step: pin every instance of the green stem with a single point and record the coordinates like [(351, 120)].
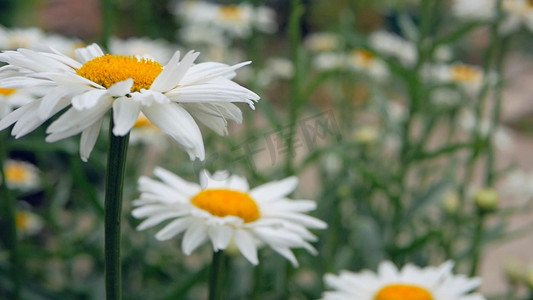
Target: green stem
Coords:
[(116, 165), (10, 223), (215, 280), (476, 245), (107, 22)]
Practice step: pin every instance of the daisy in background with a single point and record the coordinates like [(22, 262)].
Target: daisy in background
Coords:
[(393, 45), (323, 42), (409, 283), (13, 38), (474, 10), (234, 21), (223, 210), (517, 13), (366, 62), (13, 98), (469, 77), (28, 223), (94, 82), (144, 132), (21, 175)]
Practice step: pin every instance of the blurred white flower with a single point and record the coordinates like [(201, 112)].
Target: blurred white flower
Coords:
[(411, 282), (275, 68), (201, 34), (94, 83), (329, 61), (235, 21), (366, 62), (518, 184), (14, 38), (158, 50), (223, 209), (474, 10), (468, 77), (21, 175), (393, 45), (27, 223), (323, 42), (144, 132), (517, 13), (13, 98)]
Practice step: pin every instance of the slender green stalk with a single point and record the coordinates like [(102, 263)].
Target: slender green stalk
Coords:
[(10, 223), (475, 252), (116, 165), (215, 278), (107, 22)]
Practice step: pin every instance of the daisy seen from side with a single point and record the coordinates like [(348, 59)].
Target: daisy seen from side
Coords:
[(409, 283), (226, 211), (94, 83)]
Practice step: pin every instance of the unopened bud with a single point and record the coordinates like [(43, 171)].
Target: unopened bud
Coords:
[(450, 202), (514, 270), (366, 135), (487, 200)]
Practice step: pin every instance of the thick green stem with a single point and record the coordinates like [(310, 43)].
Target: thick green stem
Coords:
[(215, 278), (116, 165), (9, 204)]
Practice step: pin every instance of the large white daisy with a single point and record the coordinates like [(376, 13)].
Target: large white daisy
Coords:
[(409, 283), (225, 210), (94, 83)]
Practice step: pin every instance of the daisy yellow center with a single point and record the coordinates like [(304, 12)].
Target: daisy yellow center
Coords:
[(230, 13), (465, 74), (16, 173), (403, 292), (363, 57), (222, 203), (142, 122), (22, 220), (110, 69), (7, 92)]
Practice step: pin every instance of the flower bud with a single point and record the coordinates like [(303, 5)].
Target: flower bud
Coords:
[(487, 199)]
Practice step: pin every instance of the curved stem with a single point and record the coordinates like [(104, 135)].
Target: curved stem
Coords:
[(477, 243), (215, 280), (116, 164), (10, 223)]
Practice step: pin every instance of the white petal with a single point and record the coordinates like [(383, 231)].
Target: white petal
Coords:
[(246, 244), (195, 236), (125, 114), (173, 228), (88, 139), (88, 99), (220, 236), (187, 188), (120, 89), (274, 190), (174, 72), (178, 123), (88, 53)]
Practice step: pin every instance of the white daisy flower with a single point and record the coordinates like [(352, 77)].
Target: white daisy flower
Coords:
[(364, 61), (158, 50), (518, 12), (468, 77), (328, 61), (395, 46), (28, 223), (13, 98), (235, 21), (474, 10), (411, 282), (13, 38), (502, 139), (21, 175), (225, 210), (518, 185), (323, 42), (169, 96)]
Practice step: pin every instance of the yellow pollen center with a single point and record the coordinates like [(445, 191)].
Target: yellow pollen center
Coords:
[(110, 69), (363, 58), (17, 174), (7, 92), (22, 220), (529, 3), (230, 13), (222, 203), (403, 292), (465, 74)]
